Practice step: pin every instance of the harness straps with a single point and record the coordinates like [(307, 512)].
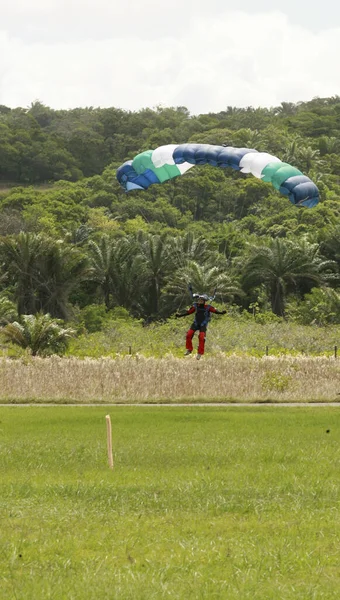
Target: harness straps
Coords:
[(207, 314)]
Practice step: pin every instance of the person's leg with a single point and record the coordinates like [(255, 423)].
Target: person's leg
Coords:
[(188, 340), (201, 340)]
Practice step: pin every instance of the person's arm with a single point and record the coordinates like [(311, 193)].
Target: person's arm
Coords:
[(217, 312), (187, 312)]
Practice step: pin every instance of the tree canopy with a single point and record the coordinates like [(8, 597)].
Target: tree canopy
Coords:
[(70, 237)]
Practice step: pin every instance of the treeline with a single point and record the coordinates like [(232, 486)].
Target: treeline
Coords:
[(71, 240), (39, 144), (148, 275)]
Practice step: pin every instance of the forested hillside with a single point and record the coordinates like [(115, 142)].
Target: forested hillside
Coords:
[(73, 242)]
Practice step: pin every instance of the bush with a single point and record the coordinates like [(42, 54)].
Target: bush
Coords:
[(92, 317), (320, 307), (40, 334)]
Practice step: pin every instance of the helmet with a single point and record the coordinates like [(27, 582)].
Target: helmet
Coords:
[(197, 297)]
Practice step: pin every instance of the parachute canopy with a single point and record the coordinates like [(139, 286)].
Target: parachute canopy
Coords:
[(167, 162)]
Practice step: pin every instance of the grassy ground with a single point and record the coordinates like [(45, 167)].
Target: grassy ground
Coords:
[(210, 503)]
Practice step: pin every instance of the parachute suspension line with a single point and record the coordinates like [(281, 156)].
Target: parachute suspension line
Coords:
[(189, 288), (182, 257), (181, 300), (144, 216), (175, 249), (222, 298), (178, 254), (190, 291)]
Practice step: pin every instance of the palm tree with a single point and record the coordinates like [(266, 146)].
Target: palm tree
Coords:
[(79, 235), (204, 278), (60, 270), (102, 261), (39, 333), (7, 310), (330, 244), (128, 274), (189, 247), (291, 150), (328, 145), (284, 266), (43, 272), (20, 255), (307, 158), (286, 109), (158, 259), (249, 138), (119, 268)]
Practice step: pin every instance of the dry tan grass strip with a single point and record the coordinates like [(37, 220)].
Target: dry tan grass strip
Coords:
[(142, 379)]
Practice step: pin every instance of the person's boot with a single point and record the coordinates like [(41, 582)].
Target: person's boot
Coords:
[(187, 352)]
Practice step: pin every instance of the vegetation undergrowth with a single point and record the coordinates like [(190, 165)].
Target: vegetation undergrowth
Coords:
[(240, 334), (236, 333)]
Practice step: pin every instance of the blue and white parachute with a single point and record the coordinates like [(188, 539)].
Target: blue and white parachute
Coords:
[(167, 162)]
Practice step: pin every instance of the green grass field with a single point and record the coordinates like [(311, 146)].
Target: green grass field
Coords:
[(232, 503)]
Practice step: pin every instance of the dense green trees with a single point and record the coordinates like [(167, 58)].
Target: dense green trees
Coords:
[(118, 269), (70, 238), (40, 144), (41, 272), (285, 266)]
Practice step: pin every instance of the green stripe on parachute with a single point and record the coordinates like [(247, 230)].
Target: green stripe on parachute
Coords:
[(143, 161), (277, 172)]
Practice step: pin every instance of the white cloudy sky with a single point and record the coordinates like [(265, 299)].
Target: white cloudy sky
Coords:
[(204, 55)]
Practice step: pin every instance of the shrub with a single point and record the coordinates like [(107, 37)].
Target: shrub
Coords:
[(40, 334)]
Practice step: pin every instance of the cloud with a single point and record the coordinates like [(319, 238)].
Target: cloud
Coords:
[(135, 56)]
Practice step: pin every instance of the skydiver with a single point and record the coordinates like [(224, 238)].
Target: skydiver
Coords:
[(202, 312)]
